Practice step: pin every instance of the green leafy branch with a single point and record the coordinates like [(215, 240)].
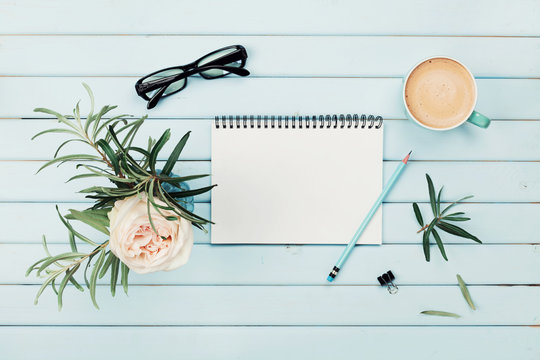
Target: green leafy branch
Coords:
[(52, 267), (442, 221), (111, 140)]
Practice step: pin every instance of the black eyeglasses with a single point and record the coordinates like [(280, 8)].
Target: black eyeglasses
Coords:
[(219, 63)]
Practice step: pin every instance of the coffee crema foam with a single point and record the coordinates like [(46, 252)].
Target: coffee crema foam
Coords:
[(440, 93)]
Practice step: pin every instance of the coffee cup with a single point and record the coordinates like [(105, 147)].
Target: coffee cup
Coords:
[(440, 93)]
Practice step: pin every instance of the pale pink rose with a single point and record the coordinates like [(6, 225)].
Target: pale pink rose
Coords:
[(134, 242)]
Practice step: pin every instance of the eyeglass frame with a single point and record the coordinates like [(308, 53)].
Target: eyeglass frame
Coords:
[(191, 69)]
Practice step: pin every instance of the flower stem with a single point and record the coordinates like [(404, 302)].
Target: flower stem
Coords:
[(86, 256), (426, 226)]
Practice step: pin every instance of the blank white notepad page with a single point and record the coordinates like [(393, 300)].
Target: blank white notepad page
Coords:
[(295, 186)]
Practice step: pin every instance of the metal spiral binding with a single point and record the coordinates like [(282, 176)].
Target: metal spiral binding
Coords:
[(298, 122)]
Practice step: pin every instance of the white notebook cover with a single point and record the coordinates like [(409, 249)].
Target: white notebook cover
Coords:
[(295, 186)]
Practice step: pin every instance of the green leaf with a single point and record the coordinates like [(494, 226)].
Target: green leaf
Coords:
[(157, 148), (124, 279), (98, 222), (103, 212), (151, 143), (83, 176), (44, 244), (440, 313), (72, 230), (432, 195), (150, 191), (180, 179), (33, 266), (135, 125), (181, 211), (65, 131), (439, 202), (121, 148), (90, 117), (67, 277), (53, 283), (97, 120), (418, 214), (63, 256), (100, 215), (425, 239), (157, 207), (88, 263), (73, 157), (45, 283), (110, 154), (455, 214), (139, 150), (425, 244), (109, 191), (439, 243), (114, 274), (65, 143), (61, 118), (72, 242), (77, 114), (103, 173), (455, 203), (456, 218), (452, 229), (93, 277), (173, 158), (465, 291), (128, 124), (187, 193), (119, 119), (106, 265), (76, 284)]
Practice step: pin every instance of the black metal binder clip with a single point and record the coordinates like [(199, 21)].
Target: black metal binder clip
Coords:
[(387, 279)]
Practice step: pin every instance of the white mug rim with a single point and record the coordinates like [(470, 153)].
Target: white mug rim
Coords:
[(405, 85)]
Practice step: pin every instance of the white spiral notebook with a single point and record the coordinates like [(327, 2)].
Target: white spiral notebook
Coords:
[(295, 179)]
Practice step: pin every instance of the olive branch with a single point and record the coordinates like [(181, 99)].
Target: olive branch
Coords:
[(441, 221), (111, 141)]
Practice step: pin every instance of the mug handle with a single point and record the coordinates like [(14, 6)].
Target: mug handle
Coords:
[(479, 120)]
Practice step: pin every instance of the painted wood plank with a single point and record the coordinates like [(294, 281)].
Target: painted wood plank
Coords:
[(301, 17), (521, 139), (242, 343), (320, 55), (309, 265), (44, 147), (274, 305), (45, 221), (497, 98), (487, 181), (512, 225), (54, 179)]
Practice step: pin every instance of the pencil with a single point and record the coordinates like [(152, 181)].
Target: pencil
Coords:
[(363, 225)]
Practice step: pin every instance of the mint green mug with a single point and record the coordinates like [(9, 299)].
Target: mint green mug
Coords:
[(469, 115)]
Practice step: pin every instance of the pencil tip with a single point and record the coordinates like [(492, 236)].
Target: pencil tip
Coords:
[(407, 157)]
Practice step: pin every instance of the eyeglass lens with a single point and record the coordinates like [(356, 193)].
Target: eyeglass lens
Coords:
[(218, 72), (175, 86)]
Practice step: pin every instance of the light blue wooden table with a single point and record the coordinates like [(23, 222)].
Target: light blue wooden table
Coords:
[(234, 302)]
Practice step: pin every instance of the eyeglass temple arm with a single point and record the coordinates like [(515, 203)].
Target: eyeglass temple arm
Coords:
[(227, 59), (154, 100), (232, 69), (155, 84)]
